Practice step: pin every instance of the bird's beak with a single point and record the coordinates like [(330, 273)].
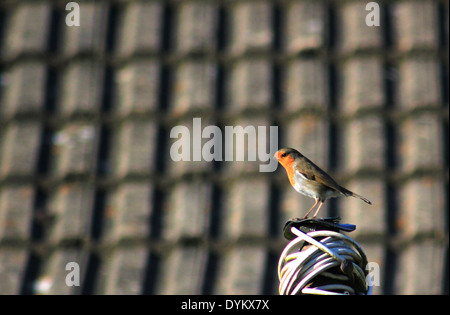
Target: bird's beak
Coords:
[(276, 155)]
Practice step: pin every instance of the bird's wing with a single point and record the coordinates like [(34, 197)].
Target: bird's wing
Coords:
[(311, 171)]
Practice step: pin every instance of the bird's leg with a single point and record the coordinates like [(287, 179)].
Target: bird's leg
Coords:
[(309, 211), (317, 211)]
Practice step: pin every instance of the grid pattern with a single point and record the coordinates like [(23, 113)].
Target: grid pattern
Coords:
[(86, 114)]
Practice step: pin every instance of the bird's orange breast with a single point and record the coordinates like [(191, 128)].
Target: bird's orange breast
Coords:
[(288, 165)]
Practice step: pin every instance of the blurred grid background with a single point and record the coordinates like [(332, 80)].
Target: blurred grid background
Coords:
[(86, 113)]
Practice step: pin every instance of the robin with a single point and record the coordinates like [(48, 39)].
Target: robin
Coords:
[(310, 180)]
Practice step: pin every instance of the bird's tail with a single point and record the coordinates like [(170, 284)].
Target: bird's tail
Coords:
[(350, 193), (362, 198)]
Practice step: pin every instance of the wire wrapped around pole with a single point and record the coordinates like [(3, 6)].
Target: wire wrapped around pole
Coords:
[(322, 262)]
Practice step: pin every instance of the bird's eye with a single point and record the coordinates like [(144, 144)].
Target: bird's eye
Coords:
[(284, 155)]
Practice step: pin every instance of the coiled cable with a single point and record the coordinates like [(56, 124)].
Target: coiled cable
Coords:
[(323, 262)]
